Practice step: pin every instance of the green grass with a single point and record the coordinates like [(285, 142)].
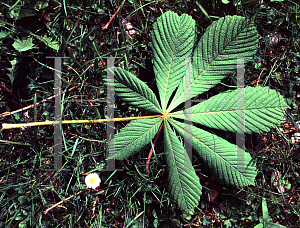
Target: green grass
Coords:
[(131, 198)]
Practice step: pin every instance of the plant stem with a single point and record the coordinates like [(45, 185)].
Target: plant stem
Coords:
[(55, 205), (151, 151), (31, 106), (10, 126), (106, 26)]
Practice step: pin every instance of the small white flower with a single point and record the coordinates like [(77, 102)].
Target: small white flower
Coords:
[(92, 180)]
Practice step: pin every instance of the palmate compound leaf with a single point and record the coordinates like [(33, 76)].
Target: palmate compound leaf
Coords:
[(224, 41), (133, 137), (262, 109), (215, 56), (134, 91), (232, 166), (173, 39), (183, 183)]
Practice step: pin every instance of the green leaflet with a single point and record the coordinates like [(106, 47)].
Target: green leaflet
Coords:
[(183, 183), (24, 44), (173, 38), (133, 137), (134, 91), (52, 44), (215, 55), (265, 211), (221, 156), (263, 109)]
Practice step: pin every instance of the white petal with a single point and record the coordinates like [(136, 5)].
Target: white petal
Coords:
[(96, 181)]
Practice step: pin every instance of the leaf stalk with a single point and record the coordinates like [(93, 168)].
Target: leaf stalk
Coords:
[(10, 126)]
